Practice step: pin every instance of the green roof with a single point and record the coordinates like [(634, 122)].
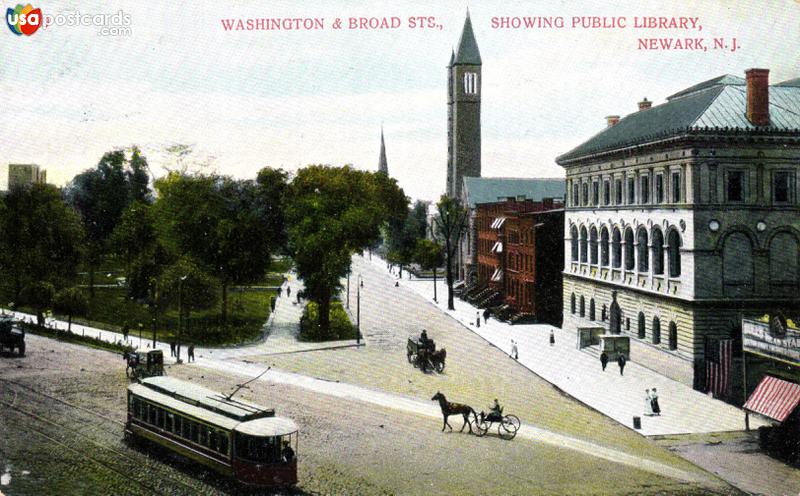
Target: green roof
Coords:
[(716, 105), (468, 53), (491, 189)]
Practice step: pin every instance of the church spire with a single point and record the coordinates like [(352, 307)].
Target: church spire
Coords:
[(468, 53), (383, 166)]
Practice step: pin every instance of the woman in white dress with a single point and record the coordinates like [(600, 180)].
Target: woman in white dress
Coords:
[(648, 404)]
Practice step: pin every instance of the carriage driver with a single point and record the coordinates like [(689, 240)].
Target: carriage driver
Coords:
[(423, 339), (496, 411)]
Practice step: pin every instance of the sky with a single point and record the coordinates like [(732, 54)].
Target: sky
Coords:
[(249, 99)]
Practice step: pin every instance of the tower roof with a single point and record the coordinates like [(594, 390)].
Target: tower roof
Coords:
[(452, 58), (468, 53), (383, 166)]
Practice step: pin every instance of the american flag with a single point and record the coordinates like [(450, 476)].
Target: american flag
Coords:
[(718, 368)]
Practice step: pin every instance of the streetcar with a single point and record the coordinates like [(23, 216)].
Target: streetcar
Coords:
[(238, 439)]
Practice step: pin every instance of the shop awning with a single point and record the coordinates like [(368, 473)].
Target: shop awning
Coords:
[(498, 222), (774, 398), (498, 247), (498, 275)]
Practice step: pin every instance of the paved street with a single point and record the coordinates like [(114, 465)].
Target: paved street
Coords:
[(579, 374)]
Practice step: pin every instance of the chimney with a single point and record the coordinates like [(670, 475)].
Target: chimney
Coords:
[(645, 104), (612, 120), (758, 96)]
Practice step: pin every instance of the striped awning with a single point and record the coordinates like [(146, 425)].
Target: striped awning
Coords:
[(774, 398), (498, 222), (498, 275), (498, 247)]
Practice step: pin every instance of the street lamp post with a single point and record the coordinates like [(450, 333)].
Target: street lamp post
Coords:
[(348, 290), (358, 310), (180, 317), (155, 302)]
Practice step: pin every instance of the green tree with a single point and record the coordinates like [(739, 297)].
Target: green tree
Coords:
[(70, 301), (403, 236), (430, 256), (101, 196), (271, 186), (332, 213), (39, 295), (222, 223), (450, 223), (185, 286), (42, 237)]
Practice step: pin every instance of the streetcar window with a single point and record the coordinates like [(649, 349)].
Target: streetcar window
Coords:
[(187, 426), (151, 413), (203, 435), (223, 443), (170, 421), (258, 449), (195, 433), (212, 440), (160, 417), (177, 426), (137, 407)]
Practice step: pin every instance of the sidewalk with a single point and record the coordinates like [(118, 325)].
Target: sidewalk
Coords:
[(579, 374), (278, 333)]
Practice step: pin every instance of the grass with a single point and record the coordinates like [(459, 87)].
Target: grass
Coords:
[(341, 327)]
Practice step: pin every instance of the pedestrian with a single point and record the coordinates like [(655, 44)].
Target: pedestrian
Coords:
[(486, 314), (621, 362), (396, 284), (125, 331), (272, 303), (552, 338), (172, 348), (477, 319), (604, 360), (298, 297), (514, 350), (190, 353), (654, 402), (648, 403), (288, 290)]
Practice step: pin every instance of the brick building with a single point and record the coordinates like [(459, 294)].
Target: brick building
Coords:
[(519, 257), (688, 210)]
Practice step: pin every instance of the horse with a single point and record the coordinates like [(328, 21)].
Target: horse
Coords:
[(437, 359), (454, 409)]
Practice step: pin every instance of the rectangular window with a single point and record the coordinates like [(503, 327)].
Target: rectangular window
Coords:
[(676, 187), (735, 186), (618, 192), (606, 192), (659, 188), (585, 201), (782, 186), (644, 193), (595, 193), (223, 443), (575, 199), (631, 191)]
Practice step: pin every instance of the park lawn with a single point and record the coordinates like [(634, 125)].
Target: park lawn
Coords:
[(247, 313)]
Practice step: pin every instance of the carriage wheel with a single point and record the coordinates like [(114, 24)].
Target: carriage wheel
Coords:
[(440, 367), (481, 427), (410, 357), (507, 429)]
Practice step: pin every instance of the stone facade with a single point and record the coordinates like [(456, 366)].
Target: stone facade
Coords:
[(693, 230)]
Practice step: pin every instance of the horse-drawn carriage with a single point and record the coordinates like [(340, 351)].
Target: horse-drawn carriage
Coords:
[(507, 425), (144, 363), (424, 355)]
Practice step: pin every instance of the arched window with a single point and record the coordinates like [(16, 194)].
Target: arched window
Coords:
[(737, 265), (584, 244), (673, 335), (572, 303), (641, 333), (593, 245), (641, 251), (616, 249), (783, 255), (583, 307), (658, 252), (604, 313), (604, 246), (629, 258), (627, 323), (674, 250), (591, 309), (656, 330)]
